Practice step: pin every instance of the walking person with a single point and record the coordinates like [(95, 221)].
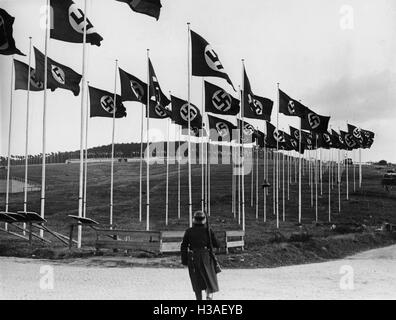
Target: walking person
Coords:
[(196, 253)]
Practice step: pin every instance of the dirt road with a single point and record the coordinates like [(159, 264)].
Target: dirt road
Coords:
[(369, 275)]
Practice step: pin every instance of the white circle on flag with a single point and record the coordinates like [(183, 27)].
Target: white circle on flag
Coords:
[(212, 60), (58, 74), (107, 104), (184, 112), (221, 100), (314, 120), (222, 129), (76, 19)]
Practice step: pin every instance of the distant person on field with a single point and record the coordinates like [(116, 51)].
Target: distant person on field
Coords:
[(195, 254)]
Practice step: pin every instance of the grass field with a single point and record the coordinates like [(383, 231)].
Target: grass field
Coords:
[(370, 206)]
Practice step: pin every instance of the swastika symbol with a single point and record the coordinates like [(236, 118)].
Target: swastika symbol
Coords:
[(326, 138), (356, 133), (137, 89), (222, 129), (221, 100), (314, 120), (293, 143), (160, 111), (34, 82), (107, 104), (58, 74), (184, 112), (212, 60), (290, 107), (349, 141), (296, 134), (76, 19), (278, 136)]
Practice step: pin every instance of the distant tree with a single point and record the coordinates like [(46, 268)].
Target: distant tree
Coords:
[(382, 162)]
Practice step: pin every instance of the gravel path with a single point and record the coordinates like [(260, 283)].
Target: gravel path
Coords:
[(374, 277)]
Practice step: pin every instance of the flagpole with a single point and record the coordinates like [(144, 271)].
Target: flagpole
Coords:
[(42, 199), (339, 180), (316, 178), (360, 168), (265, 162), (86, 157), (288, 175), (252, 179), (112, 147), (233, 181), (201, 151), (299, 174), (347, 175), (27, 132), (277, 161), (239, 158), (243, 150), (190, 208), (283, 186), (9, 142), (320, 171), (178, 173), (148, 144), (329, 166), (167, 177), (257, 169), (141, 164), (354, 170), (273, 183)]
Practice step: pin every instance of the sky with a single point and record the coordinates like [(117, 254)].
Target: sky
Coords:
[(337, 57)]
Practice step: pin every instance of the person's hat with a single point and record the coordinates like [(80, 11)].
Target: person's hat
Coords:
[(199, 217)]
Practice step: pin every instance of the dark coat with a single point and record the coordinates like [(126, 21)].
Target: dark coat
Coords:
[(195, 255)]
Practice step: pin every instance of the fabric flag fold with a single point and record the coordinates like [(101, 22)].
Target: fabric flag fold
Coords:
[(368, 138), (289, 106), (151, 8), (180, 113), (357, 134), (68, 23), (205, 61), (249, 133), (224, 129), (324, 140), (273, 136), (349, 140), (7, 42), (219, 101), (255, 107), (21, 77), (314, 122), (336, 140), (155, 92), (102, 104), (58, 75), (132, 88)]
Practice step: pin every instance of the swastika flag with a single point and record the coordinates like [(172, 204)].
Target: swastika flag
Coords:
[(132, 88), (58, 75), (151, 8), (289, 106), (368, 138), (205, 61), (220, 129), (102, 104), (180, 113), (357, 134), (255, 107), (349, 141), (68, 23), (22, 75), (314, 122), (220, 101), (7, 42)]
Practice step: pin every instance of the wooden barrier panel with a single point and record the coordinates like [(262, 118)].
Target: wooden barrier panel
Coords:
[(234, 239)]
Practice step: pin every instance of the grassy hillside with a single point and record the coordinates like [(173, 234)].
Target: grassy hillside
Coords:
[(370, 205)]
